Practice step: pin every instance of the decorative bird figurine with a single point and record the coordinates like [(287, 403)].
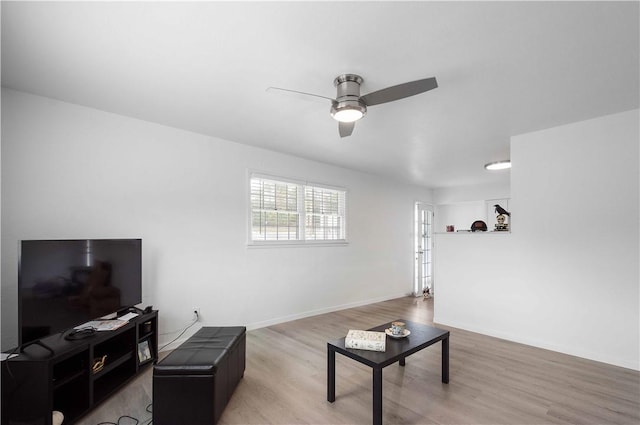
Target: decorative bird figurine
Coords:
[(501, 210)]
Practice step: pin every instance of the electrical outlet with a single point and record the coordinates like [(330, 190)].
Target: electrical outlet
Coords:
[(196, 313)]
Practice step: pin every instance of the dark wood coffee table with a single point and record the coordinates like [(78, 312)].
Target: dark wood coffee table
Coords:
[(397, 350)]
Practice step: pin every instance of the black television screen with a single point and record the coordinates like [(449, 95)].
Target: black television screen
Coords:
[(65, 283)]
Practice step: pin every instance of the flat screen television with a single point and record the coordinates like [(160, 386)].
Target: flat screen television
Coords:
[(65, 283)]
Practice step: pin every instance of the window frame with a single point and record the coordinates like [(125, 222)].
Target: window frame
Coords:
[(302, 241)]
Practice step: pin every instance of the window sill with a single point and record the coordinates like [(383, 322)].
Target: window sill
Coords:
[(294, 244)]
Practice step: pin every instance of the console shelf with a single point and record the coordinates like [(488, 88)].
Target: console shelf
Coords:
[(37, 382), (113, 364), (61, 382)]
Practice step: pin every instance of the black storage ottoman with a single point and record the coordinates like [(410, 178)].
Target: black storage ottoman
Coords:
[(193, 384)]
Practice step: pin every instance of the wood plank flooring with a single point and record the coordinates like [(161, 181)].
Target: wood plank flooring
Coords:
[(492, 381)]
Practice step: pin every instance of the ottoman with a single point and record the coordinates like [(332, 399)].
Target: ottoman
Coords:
[(193, 384)]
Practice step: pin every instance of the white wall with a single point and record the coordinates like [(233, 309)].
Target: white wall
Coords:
[(74, 172), (460, 215), (567, 276), (471, 193)]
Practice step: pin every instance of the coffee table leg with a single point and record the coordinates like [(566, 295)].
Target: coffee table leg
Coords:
[(331, 374), (377, 396), (402, 362), (445, 360)]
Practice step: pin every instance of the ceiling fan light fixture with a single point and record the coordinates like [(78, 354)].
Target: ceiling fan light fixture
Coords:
[(498, 165), (348, 106), (347, 115), (348, 111)]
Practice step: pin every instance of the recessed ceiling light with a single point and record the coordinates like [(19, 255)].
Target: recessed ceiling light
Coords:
[(498, 165)]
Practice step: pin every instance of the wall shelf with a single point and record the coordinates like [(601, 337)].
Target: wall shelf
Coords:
[(475, 233), (462, 214)]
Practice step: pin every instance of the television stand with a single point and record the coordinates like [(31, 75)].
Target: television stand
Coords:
[(37, 342), (57, 374)]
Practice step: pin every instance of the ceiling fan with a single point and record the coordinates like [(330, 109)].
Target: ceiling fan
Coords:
[(348, 106)]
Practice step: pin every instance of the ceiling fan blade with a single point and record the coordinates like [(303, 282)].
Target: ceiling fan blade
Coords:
[(303, 94), (399, 92), (346, 128)]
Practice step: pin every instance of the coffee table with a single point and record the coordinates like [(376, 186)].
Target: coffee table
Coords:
[(397, 350)]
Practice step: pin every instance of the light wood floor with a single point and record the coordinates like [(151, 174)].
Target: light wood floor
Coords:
[(492, 381)]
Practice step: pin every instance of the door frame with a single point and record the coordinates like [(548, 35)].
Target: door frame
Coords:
[(418, 253)]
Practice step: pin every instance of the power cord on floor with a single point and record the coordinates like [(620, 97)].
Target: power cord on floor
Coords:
[(181, 333), (150, 410), (136, 421), (119, 419)]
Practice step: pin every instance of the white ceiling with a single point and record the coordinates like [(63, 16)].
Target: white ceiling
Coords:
[(503, 68)]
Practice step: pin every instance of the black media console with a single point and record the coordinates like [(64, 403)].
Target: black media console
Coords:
[(37, 382)]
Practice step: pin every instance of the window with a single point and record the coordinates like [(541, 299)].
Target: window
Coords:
[(324, 213), (296, 212), (274, 210)]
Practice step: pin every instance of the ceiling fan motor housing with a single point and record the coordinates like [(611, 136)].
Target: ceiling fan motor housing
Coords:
[(348, 97)]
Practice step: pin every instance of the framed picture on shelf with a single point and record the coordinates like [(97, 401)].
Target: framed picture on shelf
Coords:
[(144, 352)]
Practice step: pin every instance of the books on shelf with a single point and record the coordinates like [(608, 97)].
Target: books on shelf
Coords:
[(366, 340)]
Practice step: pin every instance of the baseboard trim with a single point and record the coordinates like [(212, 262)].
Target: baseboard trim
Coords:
[(305, 314), (572, 351), (302, 315)]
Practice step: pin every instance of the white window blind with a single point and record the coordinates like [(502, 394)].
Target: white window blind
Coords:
[(324, 213), (274, 211), (289, 211)]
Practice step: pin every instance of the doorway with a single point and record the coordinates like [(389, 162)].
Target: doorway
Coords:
[(423, 269)]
